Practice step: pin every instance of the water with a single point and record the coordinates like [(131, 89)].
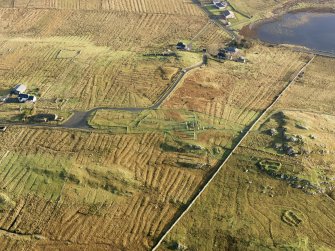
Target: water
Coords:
[(310, 29)]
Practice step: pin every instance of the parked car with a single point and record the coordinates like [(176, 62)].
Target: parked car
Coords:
[(26, 98), (3, 128)]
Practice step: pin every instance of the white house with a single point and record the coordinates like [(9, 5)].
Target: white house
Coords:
[(220, 6), (228, 14)]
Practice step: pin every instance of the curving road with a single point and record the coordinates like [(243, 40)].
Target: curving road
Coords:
[(79, 119)]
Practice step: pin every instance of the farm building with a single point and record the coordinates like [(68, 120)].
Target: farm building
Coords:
[(183, 46), (228, 14), (221, 55), (18, 89)]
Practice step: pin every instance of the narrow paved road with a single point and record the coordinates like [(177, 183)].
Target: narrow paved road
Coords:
[(79, 119)]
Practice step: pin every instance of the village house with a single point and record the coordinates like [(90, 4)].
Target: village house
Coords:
[(231, 52), (220, 4), (227, 14)]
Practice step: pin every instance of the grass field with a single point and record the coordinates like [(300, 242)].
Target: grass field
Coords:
[(237, 92), (66, 182), (140, 169), (175, 7), (94, 77), (119, 184), (266, 209), (71, 64)]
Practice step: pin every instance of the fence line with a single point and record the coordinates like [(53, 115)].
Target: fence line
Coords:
[(229, 155)]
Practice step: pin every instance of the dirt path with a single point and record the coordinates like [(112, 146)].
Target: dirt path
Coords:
[(180, 215)]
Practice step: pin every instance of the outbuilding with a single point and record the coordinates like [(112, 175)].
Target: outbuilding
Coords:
[(19, 89), (22, 98), (181, 46)]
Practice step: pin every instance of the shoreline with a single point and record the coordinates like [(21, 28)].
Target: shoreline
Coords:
[(250, 30)]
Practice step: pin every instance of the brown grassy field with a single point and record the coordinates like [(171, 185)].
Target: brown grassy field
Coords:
[(288, 207), (67, 189), (72, 58), (237, 92), (130, 185), (313, 92), (175, 7), (118, 186), (93, 76), (72, 189)]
